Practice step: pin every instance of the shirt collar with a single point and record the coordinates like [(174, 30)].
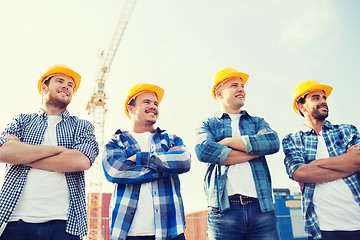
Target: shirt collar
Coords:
[(64, 115), (225, 115), (305, 129), (157, 131)]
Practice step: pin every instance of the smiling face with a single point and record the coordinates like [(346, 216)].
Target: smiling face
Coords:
[(145, 110), (58, 91), (231, 95), (315, 106)]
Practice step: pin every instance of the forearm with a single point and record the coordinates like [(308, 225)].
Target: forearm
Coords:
[(348, 162), (172, 162), (236, 143), (15, 152), (67, 161), (236, 157), (311, 173)]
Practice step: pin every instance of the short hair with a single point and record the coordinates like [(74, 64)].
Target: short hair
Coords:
[(301, 101), (132, 102)]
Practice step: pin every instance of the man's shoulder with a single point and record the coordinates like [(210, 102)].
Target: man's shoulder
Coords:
[(26, 117), (77, 120), (293, 135)]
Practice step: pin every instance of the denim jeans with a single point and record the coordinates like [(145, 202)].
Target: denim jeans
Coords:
[(242, 222), (179, 237), (52, 230)]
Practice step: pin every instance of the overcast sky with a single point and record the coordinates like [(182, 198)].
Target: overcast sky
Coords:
[(180, 45)]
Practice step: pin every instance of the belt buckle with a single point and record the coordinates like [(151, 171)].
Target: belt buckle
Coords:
[(242, 202)]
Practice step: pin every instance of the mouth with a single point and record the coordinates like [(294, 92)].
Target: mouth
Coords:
[(151, 112), (240, 96), (323, 107), (63, 93)]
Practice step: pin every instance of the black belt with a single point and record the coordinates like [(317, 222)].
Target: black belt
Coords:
[(238, 198)]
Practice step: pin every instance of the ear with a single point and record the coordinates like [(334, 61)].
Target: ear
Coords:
[(301, 107), (44, 88), (218, 94), (130, 109)]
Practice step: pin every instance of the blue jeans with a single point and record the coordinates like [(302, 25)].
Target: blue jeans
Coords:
[(242, 222), (52, 230), (179, 237)]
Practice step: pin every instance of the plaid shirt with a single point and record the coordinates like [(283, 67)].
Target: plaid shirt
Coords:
[(208, 150), (72, 133), (301, 147), (160, 167)]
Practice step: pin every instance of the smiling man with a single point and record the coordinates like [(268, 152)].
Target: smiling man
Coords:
[(237, 180), (325, 160), (144, 165), (43, 195)]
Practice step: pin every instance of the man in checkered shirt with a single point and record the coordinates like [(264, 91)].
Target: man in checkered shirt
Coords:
[(325, 159), (43, 194), (144, 164)]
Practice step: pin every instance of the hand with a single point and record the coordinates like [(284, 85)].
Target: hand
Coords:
[(133, 158), (12, 138), (175, 149), (302, 185), (262, 131), (355, 147)]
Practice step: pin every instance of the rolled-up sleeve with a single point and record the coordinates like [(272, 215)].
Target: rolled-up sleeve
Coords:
[(86, 141), (207, 149), (263, 143), (293, 157)]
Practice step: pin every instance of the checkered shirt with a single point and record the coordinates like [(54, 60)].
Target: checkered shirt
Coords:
[(72, 133), (213, 130), (301, 147), (160, 167)]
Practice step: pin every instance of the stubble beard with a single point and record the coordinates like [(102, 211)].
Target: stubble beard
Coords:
[(318, 115), (56, 103)]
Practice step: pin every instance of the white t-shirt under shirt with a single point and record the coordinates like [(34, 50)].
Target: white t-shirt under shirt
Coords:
[(334, 204), (143, 222), (46, 194), (240, 178)]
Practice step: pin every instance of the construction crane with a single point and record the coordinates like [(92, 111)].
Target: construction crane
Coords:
[(96, 107)]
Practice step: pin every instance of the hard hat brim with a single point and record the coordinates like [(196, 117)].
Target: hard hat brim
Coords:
[(159, 92)]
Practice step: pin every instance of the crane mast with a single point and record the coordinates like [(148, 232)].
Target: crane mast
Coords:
[(96, 107)]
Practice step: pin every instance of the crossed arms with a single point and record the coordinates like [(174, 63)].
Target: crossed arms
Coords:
[(121, 166), (50, 158), (233, 150), (321, 170)]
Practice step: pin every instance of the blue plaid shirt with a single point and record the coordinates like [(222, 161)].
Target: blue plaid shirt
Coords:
[(72, 133), (160, 167), (301, 147), (208, 150)]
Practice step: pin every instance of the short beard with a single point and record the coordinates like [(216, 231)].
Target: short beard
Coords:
[(319, 116), (57, 104)]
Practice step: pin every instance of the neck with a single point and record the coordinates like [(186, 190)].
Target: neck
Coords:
[(141, 128), (51, 110), (315, 124), (230, 110)]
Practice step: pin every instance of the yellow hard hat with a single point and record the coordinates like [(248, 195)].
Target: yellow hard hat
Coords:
[(61, 69), (306, 87), (143, 87), (224, 74)]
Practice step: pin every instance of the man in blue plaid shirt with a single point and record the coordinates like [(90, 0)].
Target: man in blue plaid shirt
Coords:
[(237, 180), (144, 165), (43, 194), (324, 159)]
